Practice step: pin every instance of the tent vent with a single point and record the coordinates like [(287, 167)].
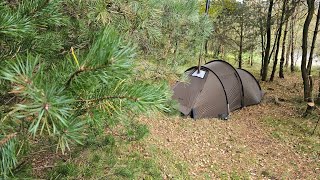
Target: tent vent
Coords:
[(198, 74)]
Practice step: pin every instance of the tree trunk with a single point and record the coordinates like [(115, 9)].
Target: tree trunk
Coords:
[(274, 68), (217, 51), (262, 44), (206, 47), (318, 97), (292, 42), (310, 104), (281, 74), (275, 41), (315, 33), (251, 56), (241, 44), (286, 64), (304, 71), (267, 51)]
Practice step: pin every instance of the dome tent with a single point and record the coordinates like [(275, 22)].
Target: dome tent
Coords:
[(216, 89)]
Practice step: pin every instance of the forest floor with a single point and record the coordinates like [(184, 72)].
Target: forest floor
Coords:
[(266, 141), (270, 140)]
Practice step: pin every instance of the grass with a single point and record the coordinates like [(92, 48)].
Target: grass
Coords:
[(62, 170), (114, 161), (221, 174), (172, 167), (114, 158), (296, 131)]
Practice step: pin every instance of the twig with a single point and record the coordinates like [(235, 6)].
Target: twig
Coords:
[(44, 167), (9, 100), (109, 97), (81, 70), (74, 75)]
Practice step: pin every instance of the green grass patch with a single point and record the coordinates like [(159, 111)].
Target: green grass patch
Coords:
[(171, 166), (297, 132), (117, 161), (136, 132), (64, 170), (222, 174)]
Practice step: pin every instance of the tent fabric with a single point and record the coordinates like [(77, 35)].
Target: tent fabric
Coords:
[(251, 88), (188, 92), (203, 106), (223, 89), (231, 81)]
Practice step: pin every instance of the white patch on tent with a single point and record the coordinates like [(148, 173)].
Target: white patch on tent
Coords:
[(198, 74)]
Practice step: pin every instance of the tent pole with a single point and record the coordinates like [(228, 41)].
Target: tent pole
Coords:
[(200, 54), (199, 61)]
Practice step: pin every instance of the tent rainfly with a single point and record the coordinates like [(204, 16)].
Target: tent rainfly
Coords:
[(216, 89)]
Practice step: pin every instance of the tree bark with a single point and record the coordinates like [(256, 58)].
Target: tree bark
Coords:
[(304, 71), (275, 40), (274, 68), (288, 49), (262, 34), (318, 97), (315, 33), (206, 47), (251, 57), (281, 74), (241, 44), (310, 104), (267, 51), (286, 65), (292, 42)]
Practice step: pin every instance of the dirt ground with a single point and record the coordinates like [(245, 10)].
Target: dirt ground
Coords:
[(245, 146)]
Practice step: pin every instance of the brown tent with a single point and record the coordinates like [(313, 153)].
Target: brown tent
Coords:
[(215, 90)]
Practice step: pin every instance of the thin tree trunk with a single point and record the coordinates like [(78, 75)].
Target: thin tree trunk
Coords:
[(262, 45), (278, 43), (310, 104), (267, 51), (216, 51), (286, 65), (206, 47), (274, 43), (292, 43), (315, 33), (304, 71), (318, 97), (251, 56), (281, 74), (241, 44)]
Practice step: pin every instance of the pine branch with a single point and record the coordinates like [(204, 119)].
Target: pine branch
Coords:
[(82, 70), (7, 139), (110, 97)]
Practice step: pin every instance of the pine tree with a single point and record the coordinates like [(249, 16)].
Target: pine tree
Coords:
[(65, 99), (159, 28), (62, 100), (30, 26)]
